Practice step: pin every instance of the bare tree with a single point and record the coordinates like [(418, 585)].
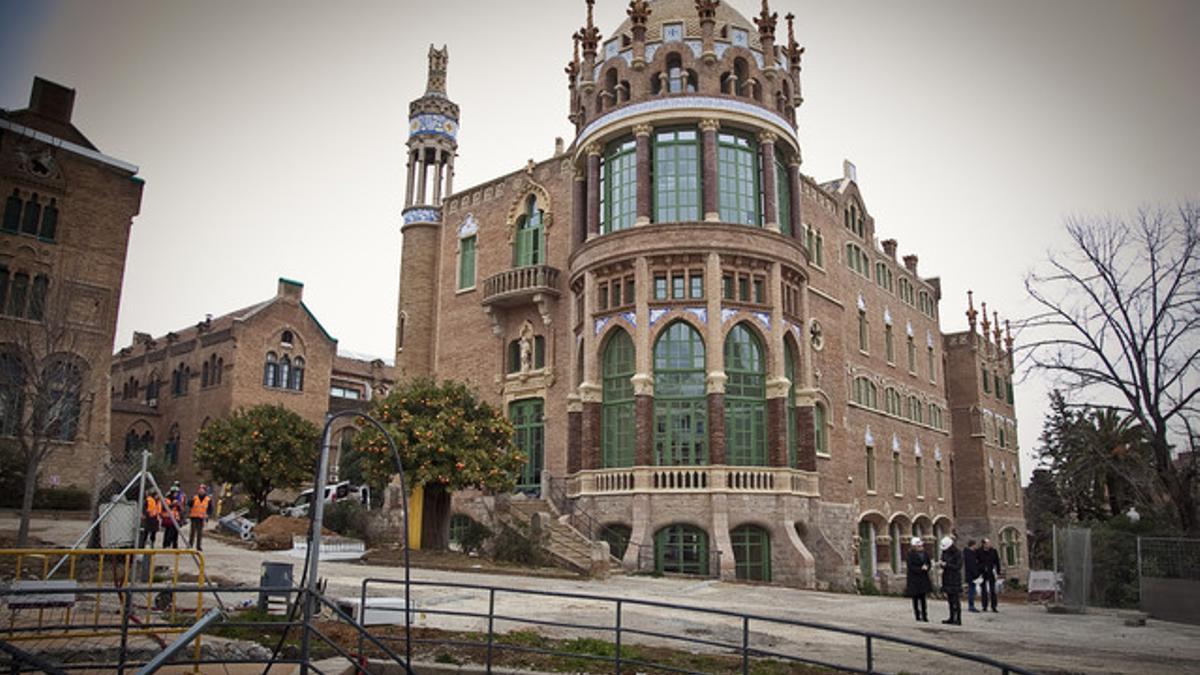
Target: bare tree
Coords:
[(1119, 326), (43, 387)]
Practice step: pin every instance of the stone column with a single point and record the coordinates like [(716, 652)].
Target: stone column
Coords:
[(766, 144), (777, 384), (424, 175), (795, 183), (593, 190), (578, 210), (590, 391), (410, 179), (642, 134), (708, 132), (714, 359), (643, 378), (806, 443), (438, 166)]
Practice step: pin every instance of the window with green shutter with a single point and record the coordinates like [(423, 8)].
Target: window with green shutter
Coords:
[(676, 176), (745, 398), (616, 417), (681, 549), (530, 247), (680, 401), (619, 187), (529, 435), (751, 552), (466, 262), (737, 179)]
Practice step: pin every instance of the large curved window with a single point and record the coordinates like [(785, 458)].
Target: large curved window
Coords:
[(751, 552), (676, 176), (619, 186), (680, 405), (616, 425), (285, 372), (681, 549), (530, 248), (737, 178), (745, 398)]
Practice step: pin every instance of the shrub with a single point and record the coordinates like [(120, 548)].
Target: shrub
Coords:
[(520, 544), (62, 499), (347, 518), (474, 535)]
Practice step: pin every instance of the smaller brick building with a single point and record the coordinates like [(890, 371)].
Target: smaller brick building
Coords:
[(166, 389)]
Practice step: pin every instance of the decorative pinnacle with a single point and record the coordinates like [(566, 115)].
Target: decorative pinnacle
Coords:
[(996, 331), (794, 50), (590, 35), (639, 12), (438, 59), (707, 9), (572, 68), (1008, 338), (986, 325), (971, 313), (766, 21)]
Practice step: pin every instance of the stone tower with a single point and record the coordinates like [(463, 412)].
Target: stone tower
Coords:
[(432, 145)]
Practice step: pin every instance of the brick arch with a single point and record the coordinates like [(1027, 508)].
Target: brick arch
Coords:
[(615, 323), (674, 316), (516, 207)]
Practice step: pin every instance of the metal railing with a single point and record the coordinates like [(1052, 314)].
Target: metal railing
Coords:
[(619, 630)]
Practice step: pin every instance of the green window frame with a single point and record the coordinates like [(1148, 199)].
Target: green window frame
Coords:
[(1009, 389), (1010, 544), (897, 474), (793, 435), (866, 549), (941, 480), (680, 400), (889, 342), (619, 187), (530, 246), (870, 468), (616, 416), (681, 549), (751, 552), (912, 355), (987, 380), (529, 434), (677, 185), (737, 178), (783, 197), (466, 263), (820, 436), (745, 398), (997, 385), (920, 477)]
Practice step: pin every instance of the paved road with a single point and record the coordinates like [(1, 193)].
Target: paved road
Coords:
[(1025, 635)]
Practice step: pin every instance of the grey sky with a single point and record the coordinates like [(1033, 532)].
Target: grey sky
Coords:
[(271, 134)]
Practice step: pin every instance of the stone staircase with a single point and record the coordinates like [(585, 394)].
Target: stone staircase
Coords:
[(568, 546)]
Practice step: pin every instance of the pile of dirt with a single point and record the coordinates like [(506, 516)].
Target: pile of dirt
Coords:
[(276, 532)]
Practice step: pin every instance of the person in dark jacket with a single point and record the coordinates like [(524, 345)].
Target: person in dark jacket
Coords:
[(952, 580), (971, 566), (989, 568), (918, 584)]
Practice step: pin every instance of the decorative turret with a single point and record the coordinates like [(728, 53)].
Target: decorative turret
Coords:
[(639, 13), (707, 10), (589, 38), (794, 52), (432, 142), (572, 71), (766, 22)]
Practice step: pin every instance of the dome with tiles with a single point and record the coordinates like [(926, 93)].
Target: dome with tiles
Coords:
[(674, 12)]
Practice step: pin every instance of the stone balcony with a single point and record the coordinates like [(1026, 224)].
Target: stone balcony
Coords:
[(694, 479), (533, 284)]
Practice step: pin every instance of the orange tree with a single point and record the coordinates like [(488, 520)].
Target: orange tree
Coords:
[(260, 449), (448, 440)]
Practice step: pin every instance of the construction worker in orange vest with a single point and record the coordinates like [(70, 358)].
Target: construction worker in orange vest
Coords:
[(152, 510), (171, 519), (201, 505)]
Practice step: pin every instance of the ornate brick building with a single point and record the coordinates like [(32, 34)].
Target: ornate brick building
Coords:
[(165, 389), (68, 209), (710, 350)]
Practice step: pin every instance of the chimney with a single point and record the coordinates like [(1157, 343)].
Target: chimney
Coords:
[(849, 171), (910, 261), (558, 146), (139, 337), (52, 101), (290, 289), (889, 247)]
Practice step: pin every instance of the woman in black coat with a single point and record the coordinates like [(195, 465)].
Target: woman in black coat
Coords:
[(918, 584), (952, 580)]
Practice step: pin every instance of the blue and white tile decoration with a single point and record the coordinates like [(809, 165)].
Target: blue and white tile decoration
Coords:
[(764, 318), (628, 56), (887, 316), (720, 48), (868, 439), (917, 447), (672, 32), (656, 314), (700, 313), (630, 317), (937, 452), (687, 103), (432, 124), (601, 323), (739, 37), (908, 328), (651, 50), (469, 227), (727, 314), (895, 443), (422, 216), (610, 48), (696, 46)]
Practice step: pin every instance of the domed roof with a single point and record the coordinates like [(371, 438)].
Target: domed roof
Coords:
[(676, 11)]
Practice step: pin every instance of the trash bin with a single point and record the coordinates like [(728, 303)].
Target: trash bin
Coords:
[(275, 575)]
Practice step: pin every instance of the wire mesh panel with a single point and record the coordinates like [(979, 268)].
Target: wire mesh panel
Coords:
[(1075, 563), (1169, 578)]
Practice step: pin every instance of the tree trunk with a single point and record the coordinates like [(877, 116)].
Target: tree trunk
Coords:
[(435, 518), (27, 501)]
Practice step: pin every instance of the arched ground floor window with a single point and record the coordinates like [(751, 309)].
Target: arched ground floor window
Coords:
[(751, 552), (681, 549)]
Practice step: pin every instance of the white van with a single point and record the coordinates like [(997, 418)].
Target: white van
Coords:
[(338, 492)]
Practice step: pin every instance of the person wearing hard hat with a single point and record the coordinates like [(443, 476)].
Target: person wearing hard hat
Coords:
[(197, 514), (917, 581), (151, 512), (952, 579), (172, 515)]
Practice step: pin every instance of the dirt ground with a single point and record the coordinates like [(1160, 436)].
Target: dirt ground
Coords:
[(1021, 633)]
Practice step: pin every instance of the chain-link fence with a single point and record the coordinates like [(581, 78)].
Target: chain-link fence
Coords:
[(1169, 578)]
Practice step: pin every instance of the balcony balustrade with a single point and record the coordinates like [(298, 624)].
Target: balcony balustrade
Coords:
[(520, 285), (694, 479)]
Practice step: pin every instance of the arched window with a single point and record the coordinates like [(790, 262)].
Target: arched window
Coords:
[(49, 221), (912, 355), (37, 299), (751, 552), (32, 217), (680, 403), (12, 211), (678, 79), (297, 381), (286, 339), (681, 549), (745, 398), (866, 549), (920, 471), (204, 370), (171, 448), (889, 342), (529, 248), (741, 73), (676, 176), (271, 370), (619, 185), (12, 393), (220, 369), (610, 85), (866, 393), (17, 294), (59, 416), (1010, 545), (897, 474), (737, 178), (285, 372), (514, 357), (616, 418), (870, 468), (820, 433)]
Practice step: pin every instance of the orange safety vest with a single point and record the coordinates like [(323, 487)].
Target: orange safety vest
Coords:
[(200, 506), (153, 507)]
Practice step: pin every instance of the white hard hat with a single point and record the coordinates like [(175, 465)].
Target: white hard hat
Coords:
[(947, 542), (916, 541)]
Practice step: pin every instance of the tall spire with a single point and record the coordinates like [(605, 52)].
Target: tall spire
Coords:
[(971, 313), (1008, 338), (766, 21), (436, 82), (996, 332), (590, 35), (986, 325)]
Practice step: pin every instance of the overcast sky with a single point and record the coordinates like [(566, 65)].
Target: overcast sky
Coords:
[(271, 134)]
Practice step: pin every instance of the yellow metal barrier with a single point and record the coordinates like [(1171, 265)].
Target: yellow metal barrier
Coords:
[(53, 610)]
